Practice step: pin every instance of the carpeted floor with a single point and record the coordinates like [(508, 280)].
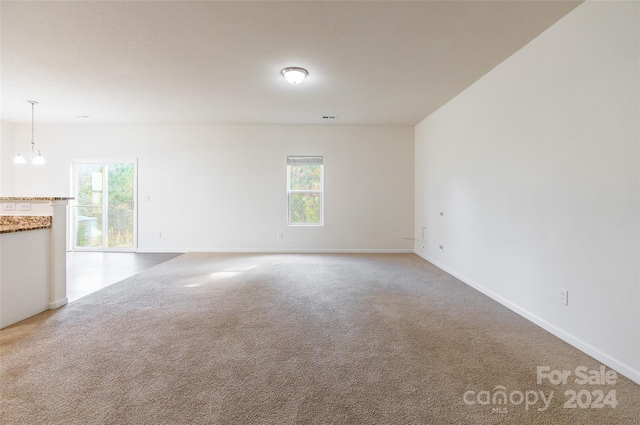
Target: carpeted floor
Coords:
[(295, 339)]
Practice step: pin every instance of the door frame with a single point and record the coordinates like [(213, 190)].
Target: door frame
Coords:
[(73, 202)]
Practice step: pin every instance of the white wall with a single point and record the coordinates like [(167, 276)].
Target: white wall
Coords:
[(224, 187), (536, 167), (7, 153)]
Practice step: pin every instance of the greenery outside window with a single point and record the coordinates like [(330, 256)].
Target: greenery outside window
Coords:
[(305, 190)]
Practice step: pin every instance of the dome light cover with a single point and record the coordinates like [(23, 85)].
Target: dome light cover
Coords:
[(294, 75)]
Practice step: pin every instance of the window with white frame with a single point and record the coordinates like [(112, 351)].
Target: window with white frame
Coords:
[(305, 190)]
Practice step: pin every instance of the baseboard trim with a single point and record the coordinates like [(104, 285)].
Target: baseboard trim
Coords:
[(285, 251), (58, 304), (160, 251), (586, 348)]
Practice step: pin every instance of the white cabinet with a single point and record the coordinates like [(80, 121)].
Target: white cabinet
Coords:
[(24, 275)]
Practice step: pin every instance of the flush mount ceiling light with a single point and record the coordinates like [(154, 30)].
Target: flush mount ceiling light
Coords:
[(34, 155), (294, 75)]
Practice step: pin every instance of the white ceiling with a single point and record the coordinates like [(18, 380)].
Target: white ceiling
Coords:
[(210, 62)]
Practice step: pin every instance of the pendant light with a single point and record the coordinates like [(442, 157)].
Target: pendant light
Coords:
[(34, 155)]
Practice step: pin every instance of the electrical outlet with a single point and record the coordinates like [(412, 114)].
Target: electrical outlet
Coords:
[(564, 297), (159, 235), (9, 206), (24, 206), (281, 235)]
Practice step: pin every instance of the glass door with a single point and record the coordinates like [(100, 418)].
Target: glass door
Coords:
[(104, 208)]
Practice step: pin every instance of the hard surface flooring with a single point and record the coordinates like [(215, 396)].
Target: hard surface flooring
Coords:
[(88, 272)]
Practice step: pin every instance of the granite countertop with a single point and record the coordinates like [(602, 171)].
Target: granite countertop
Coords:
[(20, 223), (35, 198)]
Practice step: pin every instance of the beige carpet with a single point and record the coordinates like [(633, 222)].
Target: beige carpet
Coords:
[(293, 339)]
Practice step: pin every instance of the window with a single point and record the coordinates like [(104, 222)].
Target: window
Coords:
[(104, 209), (305, 190)]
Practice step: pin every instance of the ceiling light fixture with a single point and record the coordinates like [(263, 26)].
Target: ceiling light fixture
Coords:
[(34, 155), (294, 75)]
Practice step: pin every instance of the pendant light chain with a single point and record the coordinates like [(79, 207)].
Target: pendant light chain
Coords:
[(33, 142), (33, 106)]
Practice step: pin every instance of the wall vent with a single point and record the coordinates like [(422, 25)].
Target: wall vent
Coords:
[(329, 117)]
